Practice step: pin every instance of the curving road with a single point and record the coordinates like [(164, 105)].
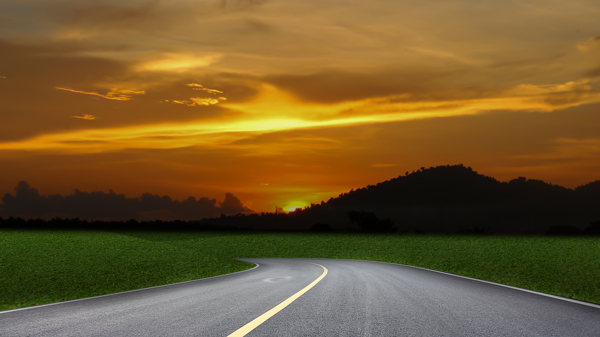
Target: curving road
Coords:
[(333, 298)]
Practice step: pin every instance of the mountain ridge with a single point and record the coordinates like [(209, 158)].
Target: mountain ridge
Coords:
[(450, 197), (441, 199)]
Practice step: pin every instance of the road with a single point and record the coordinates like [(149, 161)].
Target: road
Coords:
[(333, 298)]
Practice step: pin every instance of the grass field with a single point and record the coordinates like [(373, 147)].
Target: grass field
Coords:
[(39, 267)]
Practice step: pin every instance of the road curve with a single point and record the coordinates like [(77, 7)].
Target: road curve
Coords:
[(355, 298)]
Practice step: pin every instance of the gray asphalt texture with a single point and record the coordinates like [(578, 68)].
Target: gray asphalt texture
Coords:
[(356, 298)]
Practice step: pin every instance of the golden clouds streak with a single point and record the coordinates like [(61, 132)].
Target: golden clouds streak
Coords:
[(198, 101), (85, 116), (197, 86), (274, 111), (114, 94), (172, 62)]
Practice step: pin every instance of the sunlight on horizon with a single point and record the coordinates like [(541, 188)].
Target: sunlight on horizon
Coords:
[(208, 98)]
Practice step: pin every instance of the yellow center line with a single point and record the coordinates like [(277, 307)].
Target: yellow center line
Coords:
[(243, 331)]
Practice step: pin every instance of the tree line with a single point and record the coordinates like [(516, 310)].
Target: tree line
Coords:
[(445, 199)]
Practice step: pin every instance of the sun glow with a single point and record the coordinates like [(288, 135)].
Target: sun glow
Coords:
[(294, 207)]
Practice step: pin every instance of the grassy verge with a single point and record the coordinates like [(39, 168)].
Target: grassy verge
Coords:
[(43, 266), (38, 267)]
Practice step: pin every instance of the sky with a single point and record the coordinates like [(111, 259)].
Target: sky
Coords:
[(287, 102)]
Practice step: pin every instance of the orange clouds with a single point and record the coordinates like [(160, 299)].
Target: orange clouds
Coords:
[(176, 63), (115, 94), (592, 45), (275, 111), (591, 48), (206, 101), (311, 164), (85, 116), (313, 97), (196, 86), (197, 101)]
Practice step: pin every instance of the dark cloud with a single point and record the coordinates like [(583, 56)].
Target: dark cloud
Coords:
[(565, 98), (232, 205), (337, 86), (27, 202), (101, 18), (154, 17), (50, 61), (573, 92), (333, 86), (240, 4), (593, 73), (259, 26)]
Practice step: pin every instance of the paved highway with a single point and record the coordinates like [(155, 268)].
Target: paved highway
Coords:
[(313, 297)]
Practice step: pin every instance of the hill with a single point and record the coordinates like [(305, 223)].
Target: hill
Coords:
[(442, 199), (449, 199)]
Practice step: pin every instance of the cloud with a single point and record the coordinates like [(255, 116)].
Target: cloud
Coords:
[(398, 84), (556, 95), (114, 94), (591, 48), (592, 45), (77, 20), (196, 86), (197, 101), (205, 101), (593, 73), (35, 70), (259, 26), (85, 116), (177, 62), (41, 67), (28, 202), (83, 21), (241, 4), (233, 205), (339, 86)]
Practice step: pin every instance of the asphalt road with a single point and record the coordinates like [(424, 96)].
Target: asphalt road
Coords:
[(354, 298)]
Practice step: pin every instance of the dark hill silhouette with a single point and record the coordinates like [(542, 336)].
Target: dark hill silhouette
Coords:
[(455, 198), (590, 191), (433, 185), (443, 199), (449, 185)]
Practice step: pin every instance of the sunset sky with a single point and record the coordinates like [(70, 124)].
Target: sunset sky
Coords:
[(289, 102)]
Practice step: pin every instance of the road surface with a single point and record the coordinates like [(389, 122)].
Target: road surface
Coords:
[(313, 297)]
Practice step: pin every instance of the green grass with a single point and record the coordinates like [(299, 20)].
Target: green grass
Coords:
[(39, 267)]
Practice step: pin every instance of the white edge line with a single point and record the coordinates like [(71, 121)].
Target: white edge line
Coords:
[(589, 304), (127, 291)]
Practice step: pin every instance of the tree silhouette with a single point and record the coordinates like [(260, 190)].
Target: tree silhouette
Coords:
[(593, 229), (368, 222)]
